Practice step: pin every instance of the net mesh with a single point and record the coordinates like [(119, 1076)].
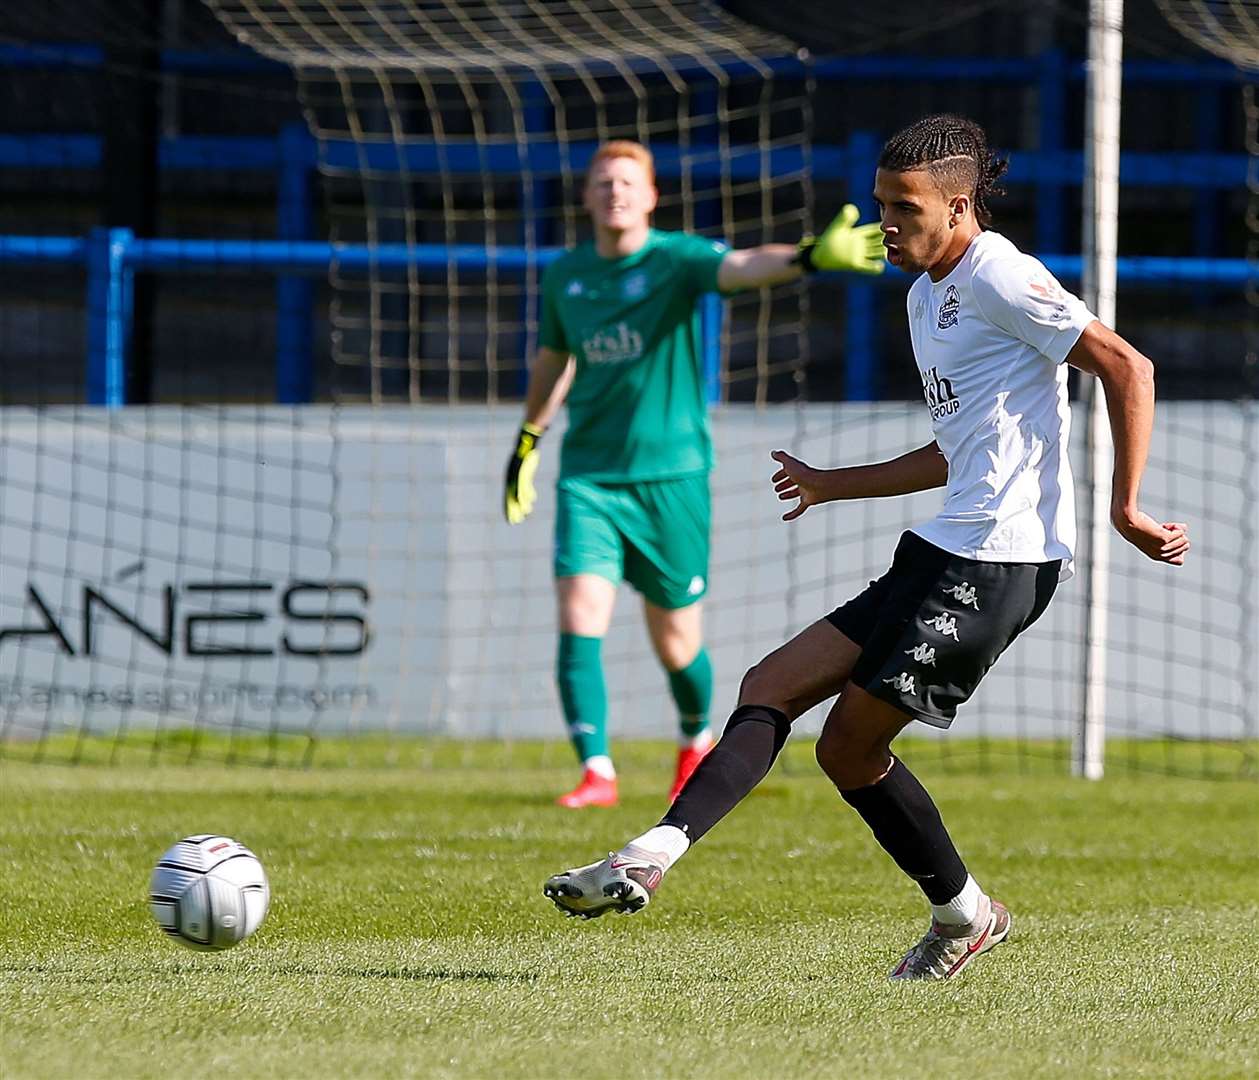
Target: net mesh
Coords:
[(242, 570)]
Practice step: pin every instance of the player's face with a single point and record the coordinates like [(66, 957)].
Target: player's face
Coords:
[(619, 194), (915, 218)]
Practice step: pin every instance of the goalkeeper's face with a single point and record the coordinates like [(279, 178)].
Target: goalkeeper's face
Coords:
[(619, 194), (915, 215)]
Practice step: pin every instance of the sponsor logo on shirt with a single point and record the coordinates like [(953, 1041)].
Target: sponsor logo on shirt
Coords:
[(615, 345), (938, 391), (948, 310)]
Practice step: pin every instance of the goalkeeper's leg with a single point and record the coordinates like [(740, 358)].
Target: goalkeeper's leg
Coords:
[(676, 637), (811, 667), (585, 603)]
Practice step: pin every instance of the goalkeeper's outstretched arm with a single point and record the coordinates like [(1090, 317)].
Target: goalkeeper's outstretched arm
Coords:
[(844, 245), (549, 380)]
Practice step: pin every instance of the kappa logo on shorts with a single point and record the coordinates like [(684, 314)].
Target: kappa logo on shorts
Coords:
[(923, 653), (904, 682), (944, 624), (965, 592), (696, 586)]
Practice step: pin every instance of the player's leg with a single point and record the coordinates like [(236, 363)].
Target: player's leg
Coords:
[(946, 620), (588, 562), (807, 670), (854, 751), (665, 526), (677, 639)]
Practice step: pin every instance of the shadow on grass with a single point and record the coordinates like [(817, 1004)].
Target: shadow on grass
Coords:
[(146, 974), (410, 974)]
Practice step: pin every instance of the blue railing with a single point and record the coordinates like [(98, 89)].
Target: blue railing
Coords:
[(294, 155), (112, 256)]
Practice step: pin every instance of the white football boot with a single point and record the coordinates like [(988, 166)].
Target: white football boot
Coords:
[(946, 950), (625, 881)]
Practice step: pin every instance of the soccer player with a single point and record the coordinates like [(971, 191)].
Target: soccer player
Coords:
[(991, 330), (620, 342)]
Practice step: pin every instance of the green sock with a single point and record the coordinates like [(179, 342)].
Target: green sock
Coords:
[(692, 690), (579, 672)]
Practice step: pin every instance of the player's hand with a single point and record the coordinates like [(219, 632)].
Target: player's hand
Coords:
[(845, 245), (796, 480), (1167, 543), (519, 494)]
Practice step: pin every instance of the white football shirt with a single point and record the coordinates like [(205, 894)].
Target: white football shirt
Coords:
[(990, 340)]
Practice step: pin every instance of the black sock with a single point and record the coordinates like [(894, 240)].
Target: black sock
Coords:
[(906, 822), (747, 748)]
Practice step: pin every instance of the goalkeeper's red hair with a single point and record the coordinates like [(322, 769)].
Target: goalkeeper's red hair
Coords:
[(625, 148)]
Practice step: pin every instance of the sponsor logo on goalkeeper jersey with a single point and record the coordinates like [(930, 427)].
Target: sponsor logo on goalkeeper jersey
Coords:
[(938, 391), (615, 345)]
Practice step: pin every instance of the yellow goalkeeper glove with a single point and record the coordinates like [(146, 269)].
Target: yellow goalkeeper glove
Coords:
[(844, 245), (519, 496)]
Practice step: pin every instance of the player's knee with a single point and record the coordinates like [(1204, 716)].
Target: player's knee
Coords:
[(849, 762), (757, 687)]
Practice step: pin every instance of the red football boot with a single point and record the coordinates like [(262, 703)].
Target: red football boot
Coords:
[(688, 758), (594, 790)]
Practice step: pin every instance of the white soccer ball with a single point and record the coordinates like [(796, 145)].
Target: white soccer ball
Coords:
[(209, 892)]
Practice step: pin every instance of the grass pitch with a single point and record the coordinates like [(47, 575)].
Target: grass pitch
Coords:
[(408, 935)]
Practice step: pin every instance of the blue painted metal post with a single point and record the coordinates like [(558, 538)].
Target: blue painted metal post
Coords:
[(712, 313), (1206, 203), (109, 301), (294, 295), (1050, 201), (537, 198), (707, 210), (861, 316)]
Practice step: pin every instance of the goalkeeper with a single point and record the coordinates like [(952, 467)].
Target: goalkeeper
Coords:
[(620, 342)]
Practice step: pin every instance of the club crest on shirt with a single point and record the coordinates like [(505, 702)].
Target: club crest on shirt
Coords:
[(948, 310), (634, 287), (575, 288)]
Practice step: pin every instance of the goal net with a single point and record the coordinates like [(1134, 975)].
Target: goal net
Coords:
[(198, 576)]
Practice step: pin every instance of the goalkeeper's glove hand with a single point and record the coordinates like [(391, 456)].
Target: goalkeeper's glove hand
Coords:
[(844, 245), (519, 495)]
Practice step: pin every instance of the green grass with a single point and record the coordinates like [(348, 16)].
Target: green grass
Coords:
[(408, 934)]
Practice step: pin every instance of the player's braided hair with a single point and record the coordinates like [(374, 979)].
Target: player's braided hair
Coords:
[(955, 151)]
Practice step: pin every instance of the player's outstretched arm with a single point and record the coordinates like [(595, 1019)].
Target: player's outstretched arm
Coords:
[(549, 380), (1127, 379), (844, 245), (919, 470)]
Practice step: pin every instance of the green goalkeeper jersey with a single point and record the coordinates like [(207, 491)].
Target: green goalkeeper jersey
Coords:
[(636, 409)]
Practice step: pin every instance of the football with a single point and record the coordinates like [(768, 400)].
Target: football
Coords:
[(209, 892)]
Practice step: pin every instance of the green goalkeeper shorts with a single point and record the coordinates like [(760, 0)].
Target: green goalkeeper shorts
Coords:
[(651, 533)]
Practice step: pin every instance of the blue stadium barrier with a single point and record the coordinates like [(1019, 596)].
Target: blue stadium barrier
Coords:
[(112, 256), (293, 155)]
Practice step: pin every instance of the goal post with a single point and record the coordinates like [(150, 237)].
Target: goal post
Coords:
[(1103, 85)]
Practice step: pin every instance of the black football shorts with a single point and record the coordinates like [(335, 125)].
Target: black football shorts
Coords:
[(932, 626)]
